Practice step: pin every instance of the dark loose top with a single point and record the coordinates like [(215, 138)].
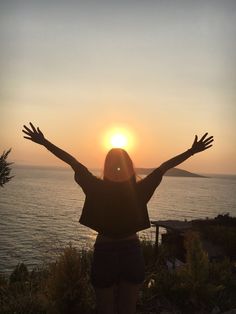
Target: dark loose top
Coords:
[(116, 209)]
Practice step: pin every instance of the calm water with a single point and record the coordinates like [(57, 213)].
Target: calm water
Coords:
[(40, 210)]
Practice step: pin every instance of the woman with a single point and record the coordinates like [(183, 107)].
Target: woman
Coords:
[(116, 207)]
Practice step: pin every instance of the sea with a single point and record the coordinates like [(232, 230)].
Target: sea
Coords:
[(41, 206)]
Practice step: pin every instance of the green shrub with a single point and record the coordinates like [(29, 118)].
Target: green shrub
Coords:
[(196, 286), (17, 294), (60, 287), (220, 231), (19, 274), (68, 288)]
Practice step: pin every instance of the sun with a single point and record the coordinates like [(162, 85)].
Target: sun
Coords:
[(119, 140), (118, 137)]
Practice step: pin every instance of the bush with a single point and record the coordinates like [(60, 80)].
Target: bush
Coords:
[(60, 287), (18, 296), (198, 286), (19, 274), (221, 231), (68, 288)]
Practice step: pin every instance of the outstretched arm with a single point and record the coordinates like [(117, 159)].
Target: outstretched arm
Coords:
[(197, 147), (37, 136)]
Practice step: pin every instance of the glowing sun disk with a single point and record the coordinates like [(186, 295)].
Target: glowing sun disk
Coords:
[(119, 141)]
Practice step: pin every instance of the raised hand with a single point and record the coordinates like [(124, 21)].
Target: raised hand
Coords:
[(34, 134), (202, 144)]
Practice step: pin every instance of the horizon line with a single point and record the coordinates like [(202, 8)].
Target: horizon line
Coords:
[(100, 169)]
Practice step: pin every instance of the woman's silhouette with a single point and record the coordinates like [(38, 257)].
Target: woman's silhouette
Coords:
[(116, 207)]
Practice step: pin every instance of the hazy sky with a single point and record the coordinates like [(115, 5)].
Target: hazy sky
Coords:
[(164, 70)]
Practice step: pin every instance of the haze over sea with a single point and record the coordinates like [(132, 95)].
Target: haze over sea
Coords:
[(40, 210)]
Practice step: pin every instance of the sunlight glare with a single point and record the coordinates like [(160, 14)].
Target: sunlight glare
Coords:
[(119, 141), (119, 137)]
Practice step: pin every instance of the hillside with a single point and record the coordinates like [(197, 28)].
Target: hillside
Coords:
[(174, 172)]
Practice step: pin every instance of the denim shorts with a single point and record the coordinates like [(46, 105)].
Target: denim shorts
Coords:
[(117, 261)]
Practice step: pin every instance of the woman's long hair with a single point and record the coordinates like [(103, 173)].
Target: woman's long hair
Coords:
[(118, 166)]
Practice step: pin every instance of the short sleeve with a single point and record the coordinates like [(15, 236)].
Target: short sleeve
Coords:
[(148, 185), (85, 178)]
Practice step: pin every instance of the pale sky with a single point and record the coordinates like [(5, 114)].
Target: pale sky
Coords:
[(163, 70)]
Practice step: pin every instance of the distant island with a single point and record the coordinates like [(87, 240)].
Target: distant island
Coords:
[(174, 172)]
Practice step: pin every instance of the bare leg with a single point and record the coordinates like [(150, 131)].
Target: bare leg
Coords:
[(127, 297), (105, 300)]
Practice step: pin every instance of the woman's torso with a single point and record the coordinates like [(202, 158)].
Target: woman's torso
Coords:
[(116, 210)]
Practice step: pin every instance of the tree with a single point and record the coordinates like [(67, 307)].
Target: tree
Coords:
[(5, 168)]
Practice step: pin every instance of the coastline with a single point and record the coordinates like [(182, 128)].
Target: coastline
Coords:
[(143, 171)]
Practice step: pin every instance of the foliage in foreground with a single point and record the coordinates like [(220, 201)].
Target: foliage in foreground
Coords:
[(4, 168), (57, 288), (63, 286), (195, 287), (220, 231)]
